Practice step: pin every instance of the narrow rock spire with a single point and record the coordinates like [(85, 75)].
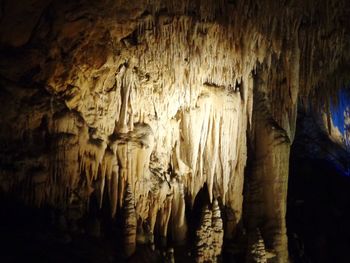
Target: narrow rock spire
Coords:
[(129, 223)]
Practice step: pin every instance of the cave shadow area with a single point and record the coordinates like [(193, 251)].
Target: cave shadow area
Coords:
[(318, 213)]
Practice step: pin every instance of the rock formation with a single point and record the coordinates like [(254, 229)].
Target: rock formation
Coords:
[(167, 97), (210, 235), (218, 230), (129, 224), (204, 239), (256, 251)]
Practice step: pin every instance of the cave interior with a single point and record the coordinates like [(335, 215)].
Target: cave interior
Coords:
[(175, 131)]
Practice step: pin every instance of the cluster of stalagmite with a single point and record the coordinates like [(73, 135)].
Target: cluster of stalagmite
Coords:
[(209, 236), (160, 96)]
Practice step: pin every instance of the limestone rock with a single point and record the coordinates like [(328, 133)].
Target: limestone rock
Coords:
[(204, 239), (129, 223), (218, 230), (210, 235), (256, 252), (160, 96)]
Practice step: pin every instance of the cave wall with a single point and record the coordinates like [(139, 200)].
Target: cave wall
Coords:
[(141, 104)]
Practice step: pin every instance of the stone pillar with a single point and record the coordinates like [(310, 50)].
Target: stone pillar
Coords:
[(274, 116)]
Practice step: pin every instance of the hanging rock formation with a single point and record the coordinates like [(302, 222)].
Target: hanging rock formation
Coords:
[(166, 97)]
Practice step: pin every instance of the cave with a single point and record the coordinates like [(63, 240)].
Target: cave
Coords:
[(175, 131)]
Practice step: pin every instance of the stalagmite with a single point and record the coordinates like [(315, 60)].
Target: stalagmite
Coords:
[(256, 252), (210, 235), (204, 239), (218, 230), (129, 223), (170, 256)]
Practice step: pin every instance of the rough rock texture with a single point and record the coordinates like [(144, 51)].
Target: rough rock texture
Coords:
[(210, 235), (129, 223), (218, 230), (204, 239), (256, 252), (159, 95)]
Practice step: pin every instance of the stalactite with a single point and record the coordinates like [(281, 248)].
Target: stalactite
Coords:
[(178, 223), (113, 190), (164, 217), (206, 133)]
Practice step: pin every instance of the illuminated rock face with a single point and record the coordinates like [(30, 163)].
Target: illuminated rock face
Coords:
[(160, 97)]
